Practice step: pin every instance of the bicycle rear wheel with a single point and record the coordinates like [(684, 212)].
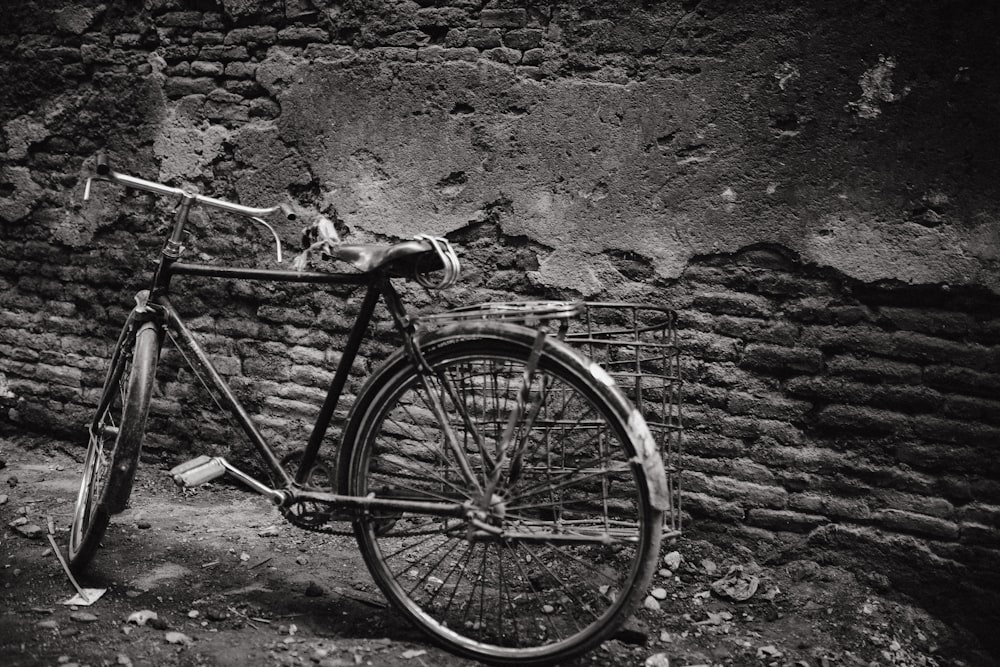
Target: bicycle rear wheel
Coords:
[(563, 548), (115, 441)]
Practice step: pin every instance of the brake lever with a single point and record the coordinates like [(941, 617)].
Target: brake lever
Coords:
[(277, 240)]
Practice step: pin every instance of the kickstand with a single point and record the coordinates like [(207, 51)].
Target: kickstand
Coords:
[(84, 596)]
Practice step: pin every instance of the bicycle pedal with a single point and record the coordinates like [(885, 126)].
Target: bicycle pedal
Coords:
[(198, 471)]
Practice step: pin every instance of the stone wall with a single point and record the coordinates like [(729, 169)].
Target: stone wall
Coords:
[(812, 186)]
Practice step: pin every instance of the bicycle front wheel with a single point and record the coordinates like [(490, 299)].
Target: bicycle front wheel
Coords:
[(115, 441), (564, 539)]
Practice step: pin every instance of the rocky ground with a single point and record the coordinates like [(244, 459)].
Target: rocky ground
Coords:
[(214, 577)]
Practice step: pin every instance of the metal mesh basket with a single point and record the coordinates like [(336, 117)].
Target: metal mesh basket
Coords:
[(637, 345)]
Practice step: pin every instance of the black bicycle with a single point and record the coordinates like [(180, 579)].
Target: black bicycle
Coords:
[(505, 495)]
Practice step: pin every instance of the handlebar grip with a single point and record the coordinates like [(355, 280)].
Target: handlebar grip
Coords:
[(287, 211), (103, 168)]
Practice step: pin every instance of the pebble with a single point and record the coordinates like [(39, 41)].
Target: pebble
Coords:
[(12, 481), (30, 530), (4, 498), (632, 633), (216, 614), (651, 603), (659, 593), (314, 590), (48, 625), (178, 638), (141, 617), (158, 623), (144, 525), (657, 660), (83, 617), (673, 560), (270, 531)]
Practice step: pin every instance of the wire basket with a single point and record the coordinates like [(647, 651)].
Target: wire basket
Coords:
[(637, 345), (634, 343)]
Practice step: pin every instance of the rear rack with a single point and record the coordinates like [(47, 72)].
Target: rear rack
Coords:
[(635, 343)]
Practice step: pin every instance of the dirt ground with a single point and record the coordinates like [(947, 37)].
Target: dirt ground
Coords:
[(231, 584)]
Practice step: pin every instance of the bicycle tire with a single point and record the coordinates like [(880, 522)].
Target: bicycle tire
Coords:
[(115, 441), (547, 602)]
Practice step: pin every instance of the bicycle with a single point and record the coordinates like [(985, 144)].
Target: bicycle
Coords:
[(505, 495)]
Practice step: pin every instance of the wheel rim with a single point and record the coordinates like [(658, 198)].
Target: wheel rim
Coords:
[(103, 437), (518, 598)]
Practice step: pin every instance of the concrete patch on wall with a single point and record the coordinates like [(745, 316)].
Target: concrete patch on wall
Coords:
[(662, 168), (876, 89), (21, 133), (185, 144), (19, 193)]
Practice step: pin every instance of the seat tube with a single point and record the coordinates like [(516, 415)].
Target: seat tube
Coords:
[(339, 381)]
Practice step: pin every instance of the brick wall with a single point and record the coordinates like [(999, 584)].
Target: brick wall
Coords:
[(839, 402)]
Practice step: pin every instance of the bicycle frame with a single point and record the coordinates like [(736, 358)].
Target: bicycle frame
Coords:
[(156, 305)]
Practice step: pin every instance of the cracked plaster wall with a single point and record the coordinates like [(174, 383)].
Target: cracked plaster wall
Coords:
[(862, 140)]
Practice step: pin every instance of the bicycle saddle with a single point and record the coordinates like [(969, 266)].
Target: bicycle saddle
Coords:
[(369, 257), (417, 259)]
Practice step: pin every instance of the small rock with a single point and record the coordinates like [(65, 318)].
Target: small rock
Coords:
[(12, 481), (768, 652), (673, 560), (413, 653), (194, 613), (244, 556), (144, 525), (29, 530), (132, 593), (657, 660), (709, 566), (48, 625), (666, 637), (124, 660), (158, 623), (214, 614), (632, 632), (314, 590), (270, 531), (178, 638), (83, 617), (659, 593), (4, 498), (547, 609), (19, 521), (665, 573), (651, 604), (141, 617)]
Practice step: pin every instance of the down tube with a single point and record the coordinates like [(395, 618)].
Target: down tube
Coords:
[(202, 366)]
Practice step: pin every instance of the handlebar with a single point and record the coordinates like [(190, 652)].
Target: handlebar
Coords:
[(104, 172)]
